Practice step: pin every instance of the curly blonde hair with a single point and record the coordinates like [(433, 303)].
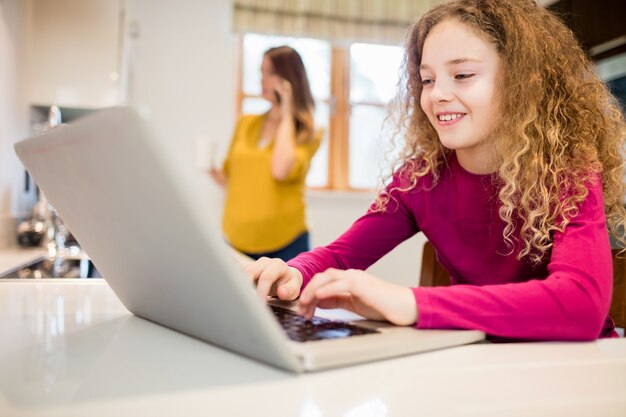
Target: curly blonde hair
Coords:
[(559, 126)]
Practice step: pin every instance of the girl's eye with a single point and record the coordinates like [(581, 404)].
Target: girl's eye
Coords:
[(427, 81), (463, 76)]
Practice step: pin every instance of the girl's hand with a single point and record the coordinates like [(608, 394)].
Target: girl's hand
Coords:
[(285, 93), (361, 293), (273, 277)]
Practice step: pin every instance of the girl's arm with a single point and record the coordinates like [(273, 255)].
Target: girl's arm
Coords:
[(571, 303), (367, 240)]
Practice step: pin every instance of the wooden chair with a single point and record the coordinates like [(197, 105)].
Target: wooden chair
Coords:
[(618, 304), (433, 275)]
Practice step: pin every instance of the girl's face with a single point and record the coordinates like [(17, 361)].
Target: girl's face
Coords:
[(459, 72), (269, 81)]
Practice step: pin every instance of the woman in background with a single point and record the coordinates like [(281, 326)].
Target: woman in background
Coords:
[(266, 166)]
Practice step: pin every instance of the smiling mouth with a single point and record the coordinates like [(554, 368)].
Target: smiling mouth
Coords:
[(448, 117)]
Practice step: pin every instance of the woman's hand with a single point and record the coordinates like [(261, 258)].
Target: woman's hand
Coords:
[(284, 153), (273, 277), (218, 176), (285, 93), (361, 293)]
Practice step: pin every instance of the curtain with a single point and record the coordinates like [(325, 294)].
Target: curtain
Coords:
[(369, 21)]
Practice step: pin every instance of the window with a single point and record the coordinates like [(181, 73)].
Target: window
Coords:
[(351, 113), (373, 80)]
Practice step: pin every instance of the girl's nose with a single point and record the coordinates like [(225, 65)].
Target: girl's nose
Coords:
[(441, 91)]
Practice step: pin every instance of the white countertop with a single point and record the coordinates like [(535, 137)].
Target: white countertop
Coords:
[(69, 348), (13, 257)]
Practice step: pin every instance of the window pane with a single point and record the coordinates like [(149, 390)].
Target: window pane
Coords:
[(315, 55), (369, 146), (374, 72)]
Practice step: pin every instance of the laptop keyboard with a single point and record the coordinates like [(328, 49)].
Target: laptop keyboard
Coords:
[(300, 329)]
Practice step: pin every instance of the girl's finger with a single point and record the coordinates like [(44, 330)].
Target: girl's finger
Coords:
[(338, 301), (334, 288), (287, 288), (254, 269), (274, 270), (308, 298), (309, 291)]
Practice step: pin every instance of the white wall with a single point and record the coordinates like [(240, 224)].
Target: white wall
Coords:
[(183, 68), (13, 113), (182, 57)]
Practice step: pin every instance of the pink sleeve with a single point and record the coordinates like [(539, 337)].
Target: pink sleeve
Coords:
[(366, 241), (571, 303)]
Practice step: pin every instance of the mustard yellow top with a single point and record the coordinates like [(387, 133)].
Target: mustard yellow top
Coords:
[(262, 214)]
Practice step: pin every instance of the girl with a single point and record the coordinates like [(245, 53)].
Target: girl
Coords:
[(511, 168), (264, 172)]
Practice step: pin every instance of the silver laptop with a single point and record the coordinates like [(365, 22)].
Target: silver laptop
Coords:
[(147, 222)]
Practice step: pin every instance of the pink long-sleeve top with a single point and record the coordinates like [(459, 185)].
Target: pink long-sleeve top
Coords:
[(567, 297)]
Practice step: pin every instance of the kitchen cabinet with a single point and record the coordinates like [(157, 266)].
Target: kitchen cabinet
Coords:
[(76, 53), (598, 25)]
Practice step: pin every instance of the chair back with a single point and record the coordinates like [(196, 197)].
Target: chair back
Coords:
[(618, 304), (433, 274)]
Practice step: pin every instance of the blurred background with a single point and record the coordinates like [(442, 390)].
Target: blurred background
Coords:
[(194, 66)]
